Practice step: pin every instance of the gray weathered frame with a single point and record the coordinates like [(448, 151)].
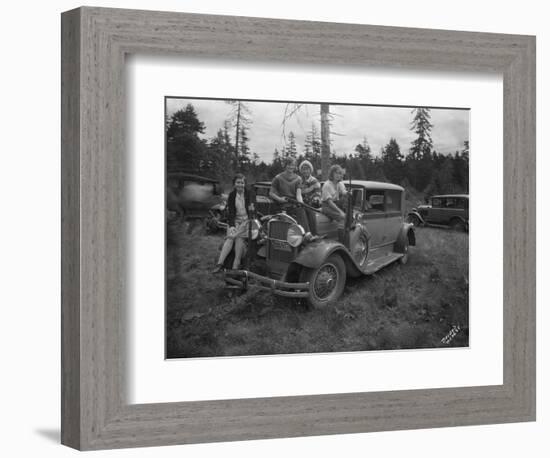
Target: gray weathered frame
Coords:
[(95, 413)]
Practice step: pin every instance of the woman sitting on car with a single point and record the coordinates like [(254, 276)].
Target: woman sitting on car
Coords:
[(332, 194), (311, 193), (286, 187), (240, 206)]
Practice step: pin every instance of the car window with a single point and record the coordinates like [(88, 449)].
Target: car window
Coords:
[(357, 199), (374, 201), (450, 202), (393, 201), (437, 202), (261, 191), (461, 203)]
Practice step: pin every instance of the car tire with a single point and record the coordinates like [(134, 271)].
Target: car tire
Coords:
[(326, 282), (405, 250), (414, 220), (458, 225)]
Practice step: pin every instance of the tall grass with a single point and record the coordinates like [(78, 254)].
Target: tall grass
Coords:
[(401, 307)]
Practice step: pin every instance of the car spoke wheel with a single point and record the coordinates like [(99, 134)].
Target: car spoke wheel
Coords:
[(326, 282)]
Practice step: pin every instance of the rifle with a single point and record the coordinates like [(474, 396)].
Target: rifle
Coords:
[(301, 204), (249, 237), (349, 214)]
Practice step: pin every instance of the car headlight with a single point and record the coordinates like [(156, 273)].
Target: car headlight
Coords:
[(255, 229), (295, 235)]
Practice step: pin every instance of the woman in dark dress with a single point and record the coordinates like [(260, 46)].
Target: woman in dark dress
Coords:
[(240, 207)]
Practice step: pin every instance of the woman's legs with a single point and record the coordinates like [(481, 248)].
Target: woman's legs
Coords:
[(300, 214), (239, 251), (332, 214), (336, 216), (226, 249), (312, 221)]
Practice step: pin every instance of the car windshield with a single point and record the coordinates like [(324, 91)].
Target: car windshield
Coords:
[(261, 190)]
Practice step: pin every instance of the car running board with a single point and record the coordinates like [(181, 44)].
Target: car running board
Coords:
[(376, 264)]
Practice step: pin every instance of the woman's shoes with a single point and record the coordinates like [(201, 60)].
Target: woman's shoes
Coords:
[(217, 269)]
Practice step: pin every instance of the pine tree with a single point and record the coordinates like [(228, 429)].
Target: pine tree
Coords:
[(291, 149), (392, 161), (422, 145), (364, 159), (220, 153), (277, 164), (312, 148), (239, 118), (461, 168), (243, 163), (419, 159), (363, 150), (185, 149)]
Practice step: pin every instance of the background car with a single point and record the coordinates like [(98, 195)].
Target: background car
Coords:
[(451, 210), (191, 196), (264, 204)]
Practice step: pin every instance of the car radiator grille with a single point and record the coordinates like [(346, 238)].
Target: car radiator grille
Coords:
[(279, 249)]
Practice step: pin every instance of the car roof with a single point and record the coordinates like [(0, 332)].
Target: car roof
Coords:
[(190, 176), (378, 185), (452, 195), (262, 183)]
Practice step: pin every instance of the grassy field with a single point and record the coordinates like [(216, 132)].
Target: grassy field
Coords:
[(423, 304)]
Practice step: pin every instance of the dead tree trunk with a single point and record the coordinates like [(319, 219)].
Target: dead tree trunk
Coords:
[(325, 140), (237, 135)]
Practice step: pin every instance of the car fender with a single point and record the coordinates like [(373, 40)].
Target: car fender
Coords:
[(314, 254), (414, 212), (406, 233), (464, 220), (218, 207)]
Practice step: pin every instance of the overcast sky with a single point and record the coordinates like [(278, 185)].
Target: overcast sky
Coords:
[(349, 125)]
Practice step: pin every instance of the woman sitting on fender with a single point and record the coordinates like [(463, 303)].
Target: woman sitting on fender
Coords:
[(332, 193), (240, 206)]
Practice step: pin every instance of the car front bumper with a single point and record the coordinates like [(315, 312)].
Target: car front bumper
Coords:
[(244, 279)]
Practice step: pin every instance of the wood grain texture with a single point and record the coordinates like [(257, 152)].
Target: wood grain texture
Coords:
[(70, 229), (96, 413)]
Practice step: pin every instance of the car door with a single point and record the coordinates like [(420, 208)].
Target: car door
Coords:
[(455, 208), (450, 210), (466, 203), (436, 214), (373, 217), (394, 216)]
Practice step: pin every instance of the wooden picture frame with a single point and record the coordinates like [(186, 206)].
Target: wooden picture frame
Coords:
[(95, 411)]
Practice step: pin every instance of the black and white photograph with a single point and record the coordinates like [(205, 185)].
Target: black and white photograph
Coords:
[(296, 227)]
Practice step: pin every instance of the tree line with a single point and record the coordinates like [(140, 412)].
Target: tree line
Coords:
[(420, 168)]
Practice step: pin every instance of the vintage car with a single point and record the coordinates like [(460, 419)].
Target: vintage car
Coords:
[(450, 210), (264, 203), (191, 196), (374, 236)]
